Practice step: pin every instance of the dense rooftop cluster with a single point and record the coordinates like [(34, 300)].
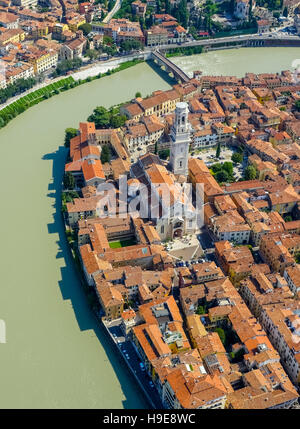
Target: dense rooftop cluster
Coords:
[(232, 338)]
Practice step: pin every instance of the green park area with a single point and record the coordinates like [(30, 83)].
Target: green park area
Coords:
[(121, 243), (33, 98), (36, 96)]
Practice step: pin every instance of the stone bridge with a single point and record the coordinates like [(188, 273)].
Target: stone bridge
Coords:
[(170, 67)]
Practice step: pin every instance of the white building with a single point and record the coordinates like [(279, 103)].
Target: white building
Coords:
[(212, 135), (232, 227), (292, 276), (25, 3), (19, 70), (297, 22), (242, 8), (204, 139), (283, 329)]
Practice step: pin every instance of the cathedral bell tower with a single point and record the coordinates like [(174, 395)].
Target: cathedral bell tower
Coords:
[(180, 140)]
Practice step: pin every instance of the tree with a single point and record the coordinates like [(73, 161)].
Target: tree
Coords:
[(250, 173), (92, 54), (100, 116), (285, 12), (221, 334), (216, 167), (16, 88), (276, 14), (158, 6), (142, 23), (250, 10), (210, 8), (167, 7), (117, 121), (86, 28), (164, 154), (228, 167), (138, 94), (104, 118), (69, 181), (69, 134), (237, 158), (297, 105), (107, 40), (131, 45), (200, 309), (105, 154), (66, 65), (183, 13), (222, 176), (149, 21), (218, 151)]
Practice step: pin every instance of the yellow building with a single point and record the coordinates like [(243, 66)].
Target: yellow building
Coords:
[(110, 299), (284, 201), (74, 23), (195, 328), (12, 36), (44, 62), (160, 103), (262, 94), (40, 31)]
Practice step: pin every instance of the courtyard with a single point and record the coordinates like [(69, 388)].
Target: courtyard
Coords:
[(209, 158), (121, 243), (185, 248)]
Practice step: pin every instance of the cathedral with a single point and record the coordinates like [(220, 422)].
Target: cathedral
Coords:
[(176, 215)]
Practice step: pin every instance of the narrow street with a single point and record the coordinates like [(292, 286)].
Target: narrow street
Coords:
[(132, 359)]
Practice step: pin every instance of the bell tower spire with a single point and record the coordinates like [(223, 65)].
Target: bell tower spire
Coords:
[(180, 140)]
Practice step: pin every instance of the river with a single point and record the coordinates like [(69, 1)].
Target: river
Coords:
[(237, 62), (56, 354)]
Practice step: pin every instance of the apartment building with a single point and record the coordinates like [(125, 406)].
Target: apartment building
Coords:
[(282, 327), (232, 227), (292, 276)]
